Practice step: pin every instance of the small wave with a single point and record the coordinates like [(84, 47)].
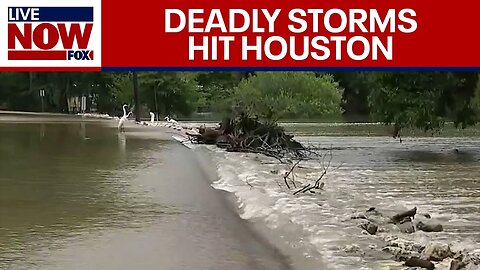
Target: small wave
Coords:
[(322, 221)]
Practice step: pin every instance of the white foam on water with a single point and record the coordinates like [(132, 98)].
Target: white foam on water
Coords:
[(392, 180), (183, 140)]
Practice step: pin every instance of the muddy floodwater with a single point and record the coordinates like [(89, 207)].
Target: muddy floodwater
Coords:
[(440, 175), (76, 194)]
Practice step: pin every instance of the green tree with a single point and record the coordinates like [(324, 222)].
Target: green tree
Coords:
[(20, 90), (357, 87), (121, 89), (476, 99), (275, 95), (62, 85), (170, 92), (16, 92), (424, 100), (217, 88)]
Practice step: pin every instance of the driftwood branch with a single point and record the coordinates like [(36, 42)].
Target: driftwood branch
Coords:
[(248, 183), (325, 162), (248, 135), (401, 216), (290, 172), (302, 190)]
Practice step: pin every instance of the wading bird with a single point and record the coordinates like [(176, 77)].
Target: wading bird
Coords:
[(152, 118), (122, 120), (172, 123), (170, 120)]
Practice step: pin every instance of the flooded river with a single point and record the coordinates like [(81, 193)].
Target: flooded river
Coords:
[(74, 194), (438, 175)]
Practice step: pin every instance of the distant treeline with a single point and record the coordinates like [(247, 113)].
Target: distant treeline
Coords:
[(416, 99)]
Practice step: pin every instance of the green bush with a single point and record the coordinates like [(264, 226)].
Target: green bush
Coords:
[(276, 95)]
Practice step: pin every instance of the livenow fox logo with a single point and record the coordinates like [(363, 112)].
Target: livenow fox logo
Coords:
[(50, 33)]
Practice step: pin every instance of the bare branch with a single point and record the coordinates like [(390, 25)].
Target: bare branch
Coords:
[(246, 181), (287, 174), (325, 163)]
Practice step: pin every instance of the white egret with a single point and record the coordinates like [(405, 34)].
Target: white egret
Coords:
[(122, 120), (152, 118), (172, 123)]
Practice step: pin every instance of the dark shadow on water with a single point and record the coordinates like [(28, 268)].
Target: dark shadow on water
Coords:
[(447, 157)]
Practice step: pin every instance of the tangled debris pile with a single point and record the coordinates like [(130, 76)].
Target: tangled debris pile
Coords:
[(247, 134)]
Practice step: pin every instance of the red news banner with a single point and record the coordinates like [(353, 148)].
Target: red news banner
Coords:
[(312, 34), (207, 34)]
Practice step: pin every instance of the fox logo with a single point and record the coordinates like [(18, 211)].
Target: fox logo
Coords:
[(50, 33)]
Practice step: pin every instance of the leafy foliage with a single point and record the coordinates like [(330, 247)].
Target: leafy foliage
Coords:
[(20, 90), (15, 91), (121, 88), (217, 88), (424, 100), (170, 92), (476, 98), (357, 87), (275, 95)]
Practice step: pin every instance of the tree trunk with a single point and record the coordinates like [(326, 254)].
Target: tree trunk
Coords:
[(30, 86), (155, 97), (135, 94), (62, 99), (67, 94)]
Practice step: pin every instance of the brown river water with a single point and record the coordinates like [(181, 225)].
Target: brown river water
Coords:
[(76, 194)]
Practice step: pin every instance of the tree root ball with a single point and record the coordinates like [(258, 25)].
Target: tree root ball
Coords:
[(247, 134)]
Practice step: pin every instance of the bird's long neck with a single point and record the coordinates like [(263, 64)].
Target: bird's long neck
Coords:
[(124, 111)]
